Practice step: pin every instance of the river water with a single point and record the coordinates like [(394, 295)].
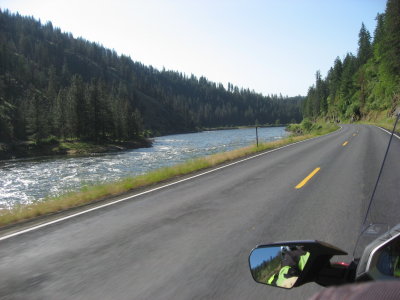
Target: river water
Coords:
[(25, 180)]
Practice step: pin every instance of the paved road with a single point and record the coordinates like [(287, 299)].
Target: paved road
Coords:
[(191, 240)]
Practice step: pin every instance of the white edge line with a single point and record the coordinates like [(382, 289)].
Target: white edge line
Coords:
[(152, 190), (387, 131)]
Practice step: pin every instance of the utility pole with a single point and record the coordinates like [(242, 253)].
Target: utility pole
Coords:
[(257, 135)]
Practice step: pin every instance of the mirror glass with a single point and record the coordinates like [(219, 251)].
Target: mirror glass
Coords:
[(278, 265), (385, 261)]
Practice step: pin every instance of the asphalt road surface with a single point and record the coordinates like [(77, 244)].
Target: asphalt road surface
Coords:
[(191, 240)]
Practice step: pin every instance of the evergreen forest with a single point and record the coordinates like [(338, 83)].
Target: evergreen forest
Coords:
[(56, 86), (364, 83)]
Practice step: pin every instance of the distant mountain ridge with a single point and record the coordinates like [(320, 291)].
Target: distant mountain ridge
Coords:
[(55, 86)]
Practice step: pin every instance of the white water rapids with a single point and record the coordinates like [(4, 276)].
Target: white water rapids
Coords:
[(25, 180)]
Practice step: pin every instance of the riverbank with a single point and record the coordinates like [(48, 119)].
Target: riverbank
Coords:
[(53, 147), (68, 147), (95, 193)]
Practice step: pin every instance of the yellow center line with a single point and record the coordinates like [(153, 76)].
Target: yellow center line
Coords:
[(345, 143), (305, 180)]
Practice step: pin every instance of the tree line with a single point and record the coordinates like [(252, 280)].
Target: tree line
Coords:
[(365, 82), (53, 85)]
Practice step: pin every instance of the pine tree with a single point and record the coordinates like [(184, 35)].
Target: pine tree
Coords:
[(391, 55), (37, 115), (347, 84), (78, 102), (321, 94), (379, 35), (364, 46), (6, 128)]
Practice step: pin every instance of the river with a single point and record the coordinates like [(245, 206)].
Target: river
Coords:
[(23, 181)]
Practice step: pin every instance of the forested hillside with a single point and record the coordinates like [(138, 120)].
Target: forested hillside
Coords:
[(53, 85), (361, 83)]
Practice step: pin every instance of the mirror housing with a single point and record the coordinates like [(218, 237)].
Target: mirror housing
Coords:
[(381, 258), (292, 264)]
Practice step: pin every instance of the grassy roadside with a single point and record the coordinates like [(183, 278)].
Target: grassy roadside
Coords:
[(94, 193), (385, 119), (380, 119)]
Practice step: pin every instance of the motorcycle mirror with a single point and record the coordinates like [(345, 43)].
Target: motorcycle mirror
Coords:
[(381, 258), (277, 266), (290, 264)]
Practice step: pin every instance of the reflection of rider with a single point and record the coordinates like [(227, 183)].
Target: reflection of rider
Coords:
[(293, 262), (295, 258), (280, 277), (396, 268), (389, 261)]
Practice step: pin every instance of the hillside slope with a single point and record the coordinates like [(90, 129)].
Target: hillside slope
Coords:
[(55, 86), (368, 83)]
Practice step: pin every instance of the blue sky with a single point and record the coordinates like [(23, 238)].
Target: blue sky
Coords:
[(259, 255), (270, 46)]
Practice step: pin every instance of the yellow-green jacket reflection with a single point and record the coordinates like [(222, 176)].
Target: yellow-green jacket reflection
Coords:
[(288, 274)]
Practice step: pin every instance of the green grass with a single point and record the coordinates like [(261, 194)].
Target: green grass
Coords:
[(385, 122), (315, 128), (89, 194), (384, 118)]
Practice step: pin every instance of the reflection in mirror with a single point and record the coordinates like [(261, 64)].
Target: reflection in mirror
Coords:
[(385, 261), (278, 266)]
